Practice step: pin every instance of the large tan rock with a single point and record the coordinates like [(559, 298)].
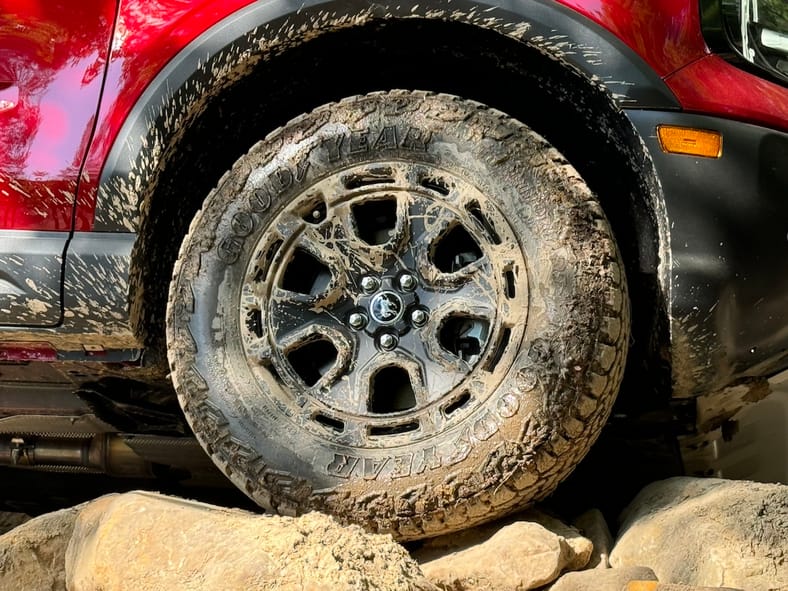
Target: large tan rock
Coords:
[(592, 525), (655, 586), (708, 532), (603, 579), (580, 546), (147, 542), (32, 555), (511, 555)]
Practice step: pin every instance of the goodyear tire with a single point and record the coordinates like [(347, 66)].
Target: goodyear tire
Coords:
[(405, 309)]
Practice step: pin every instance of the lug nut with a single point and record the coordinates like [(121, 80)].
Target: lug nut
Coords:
[(407, 282), (369, 284), (418, 317), (388, 341), (357, 320)]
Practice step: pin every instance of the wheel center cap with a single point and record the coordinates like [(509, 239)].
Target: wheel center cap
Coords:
[(386, 307)]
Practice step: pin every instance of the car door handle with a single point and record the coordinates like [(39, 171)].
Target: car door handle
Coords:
[(9, 96)]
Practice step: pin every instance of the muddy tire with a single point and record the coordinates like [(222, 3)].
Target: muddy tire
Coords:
[(405, 309)]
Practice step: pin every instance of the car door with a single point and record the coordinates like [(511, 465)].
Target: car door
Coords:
[(52, 61)]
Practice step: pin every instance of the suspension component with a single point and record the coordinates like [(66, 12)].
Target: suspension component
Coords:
[(106, 453)]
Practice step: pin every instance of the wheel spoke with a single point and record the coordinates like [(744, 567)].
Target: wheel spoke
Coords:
[(419, 382), (429, 223), (376, 232), (474, 289), (469, 292), (437, 369), (296, 315), (360, 258)]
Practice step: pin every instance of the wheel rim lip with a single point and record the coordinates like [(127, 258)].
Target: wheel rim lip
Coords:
[(308, 402)]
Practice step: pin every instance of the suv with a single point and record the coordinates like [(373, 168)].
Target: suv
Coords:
[(392, 261)]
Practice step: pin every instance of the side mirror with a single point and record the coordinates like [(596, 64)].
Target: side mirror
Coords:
[(756, 31)]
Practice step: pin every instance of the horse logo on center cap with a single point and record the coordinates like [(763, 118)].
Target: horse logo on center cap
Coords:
[(386, 307)]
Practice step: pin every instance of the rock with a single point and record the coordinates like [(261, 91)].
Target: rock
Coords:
[(593, 526), (604, 579), (9, 521), (517, 555), (581, 547), (654, 586), (32, 555), (708, 532), (145, 541)]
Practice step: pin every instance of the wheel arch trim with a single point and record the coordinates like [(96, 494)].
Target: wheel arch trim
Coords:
[(210, 63), (233, 46)]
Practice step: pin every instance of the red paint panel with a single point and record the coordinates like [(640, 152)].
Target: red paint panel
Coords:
[(27, 352), (712, 86), (52, 58), (665, 33), (148, 34)]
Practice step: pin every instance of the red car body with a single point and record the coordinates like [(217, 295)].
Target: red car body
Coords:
[(94, 97), (71, 75)]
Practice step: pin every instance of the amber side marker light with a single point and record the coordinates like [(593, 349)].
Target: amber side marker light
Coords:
[(642, 586), (687, 140)]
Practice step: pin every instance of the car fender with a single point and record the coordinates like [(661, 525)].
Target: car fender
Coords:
[(223, 52)]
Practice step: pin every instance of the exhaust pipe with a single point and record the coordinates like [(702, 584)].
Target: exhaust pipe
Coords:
[(104, 453)]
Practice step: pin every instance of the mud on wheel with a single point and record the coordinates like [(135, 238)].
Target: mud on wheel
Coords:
[(405, 309)]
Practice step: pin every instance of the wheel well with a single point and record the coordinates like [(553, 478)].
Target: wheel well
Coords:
[(573, 113)]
